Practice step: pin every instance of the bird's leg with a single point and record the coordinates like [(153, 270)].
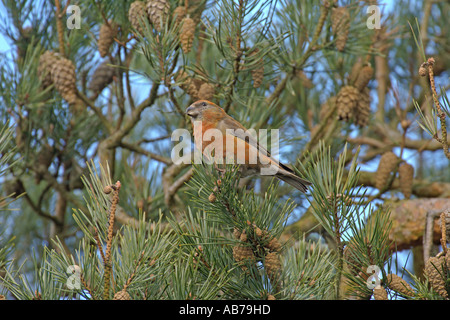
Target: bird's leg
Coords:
[(221, 170)]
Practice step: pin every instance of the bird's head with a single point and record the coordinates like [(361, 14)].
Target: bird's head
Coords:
[(199, 109)]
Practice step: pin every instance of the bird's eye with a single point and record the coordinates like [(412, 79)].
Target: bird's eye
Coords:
[(204, 104)]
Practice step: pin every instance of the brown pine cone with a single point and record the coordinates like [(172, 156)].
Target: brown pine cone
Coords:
[(236, 233), (179, 14), (187, 34), (272, 264), (380, 293), (46, 62), (243, 237), (354, 73), (386, 166), (347, 100), (243, 254), (194, 88), (137, 14), (364, 77), (206, 91), (258, 231), (435, 270), (195, 9), (362, 112), (273, 245), (258, 71), (399, 285), (106, 38), (406, 176), (158, 11), (447, 231), (258, 75), (340, 24), (102, 77), (64, 79), (423, 70), (122, 295)]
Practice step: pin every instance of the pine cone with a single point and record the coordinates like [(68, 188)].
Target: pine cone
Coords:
[(258, 72), (272, 264), (212, 197), (380, 293), (187, 34), (362, 114), (399, 285), (179, 14), (106, 38), (386, 166), (195, 9), (236, 233), (364, 77), (340, 24), (354, 73), (258, 232), (194, 87), (102, 77), (423, 70), (137, 14), (273, 245), (347, 100), (243, 237), (122, 295), (46, 62), (406, 175), (258, 75), (243, 254), (206, 91), (447, 231), (435, 270), (64, 79), (107, 189), (157, 11)]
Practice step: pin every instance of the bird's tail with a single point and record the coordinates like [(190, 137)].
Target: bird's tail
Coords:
[(293, 180)]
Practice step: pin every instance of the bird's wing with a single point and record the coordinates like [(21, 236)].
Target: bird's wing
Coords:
[(230, 123)]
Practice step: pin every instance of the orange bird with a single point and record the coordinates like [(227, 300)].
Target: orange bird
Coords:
[(236, 146)]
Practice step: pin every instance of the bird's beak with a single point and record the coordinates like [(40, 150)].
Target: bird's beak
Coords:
[(189, 111)]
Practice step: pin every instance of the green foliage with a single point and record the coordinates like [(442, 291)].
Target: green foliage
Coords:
[(167, 234)]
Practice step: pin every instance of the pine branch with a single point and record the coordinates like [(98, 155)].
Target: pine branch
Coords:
[(107, 262)]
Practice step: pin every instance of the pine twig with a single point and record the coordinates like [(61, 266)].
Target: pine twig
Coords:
[(440, 113), (99, 245), (444, 233), (125, 286), (85, 285), (59, 27), (311, 48), (108, 267)]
